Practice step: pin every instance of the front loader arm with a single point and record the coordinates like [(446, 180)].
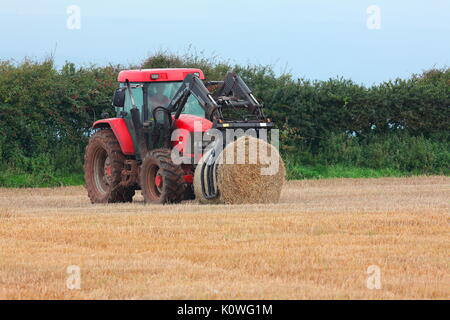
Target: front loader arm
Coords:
[(234, 88), (232, 95), (193, 85)]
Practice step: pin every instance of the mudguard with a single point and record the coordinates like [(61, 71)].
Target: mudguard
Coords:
[(119, 127)]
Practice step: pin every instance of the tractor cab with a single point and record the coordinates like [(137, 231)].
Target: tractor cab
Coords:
[(148, 95), (156, 88)]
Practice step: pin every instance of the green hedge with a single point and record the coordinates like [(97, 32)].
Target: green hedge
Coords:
[(45, 113), (401, 125)]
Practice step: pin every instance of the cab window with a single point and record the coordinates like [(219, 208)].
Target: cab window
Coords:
[(161, 93), (138, 99), (193, 107)]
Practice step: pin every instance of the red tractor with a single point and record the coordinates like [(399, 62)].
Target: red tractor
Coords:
[(134, 150)]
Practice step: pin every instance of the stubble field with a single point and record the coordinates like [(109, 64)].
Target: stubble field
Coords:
[(317, 243)]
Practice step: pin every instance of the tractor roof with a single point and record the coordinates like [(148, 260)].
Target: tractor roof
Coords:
[(150, 75)]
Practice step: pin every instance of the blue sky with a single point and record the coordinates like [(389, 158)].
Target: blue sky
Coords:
[(312, 39)]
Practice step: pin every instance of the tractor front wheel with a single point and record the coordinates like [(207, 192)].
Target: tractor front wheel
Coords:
[(161, 180), (103, 165)]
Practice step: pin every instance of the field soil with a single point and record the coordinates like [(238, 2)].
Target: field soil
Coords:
[(318, 243)]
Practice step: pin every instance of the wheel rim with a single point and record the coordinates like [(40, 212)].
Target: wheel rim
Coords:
[(102, 171), (155, 182), (159, 181)]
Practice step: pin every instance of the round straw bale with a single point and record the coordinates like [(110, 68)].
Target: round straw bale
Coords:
[(250, 171)]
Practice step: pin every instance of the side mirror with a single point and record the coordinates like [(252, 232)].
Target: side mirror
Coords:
[(119, 98)]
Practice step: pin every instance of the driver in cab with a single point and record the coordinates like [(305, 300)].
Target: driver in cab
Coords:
[(158, 99)]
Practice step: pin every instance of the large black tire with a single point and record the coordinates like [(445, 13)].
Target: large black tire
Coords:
[(161, 180), (103, 165)]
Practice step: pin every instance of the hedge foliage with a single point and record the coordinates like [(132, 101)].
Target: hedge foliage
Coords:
[(45, 114), (403, 124)]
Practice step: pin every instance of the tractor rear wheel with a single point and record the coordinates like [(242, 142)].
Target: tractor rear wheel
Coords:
[(103, 165), (161, 180)]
